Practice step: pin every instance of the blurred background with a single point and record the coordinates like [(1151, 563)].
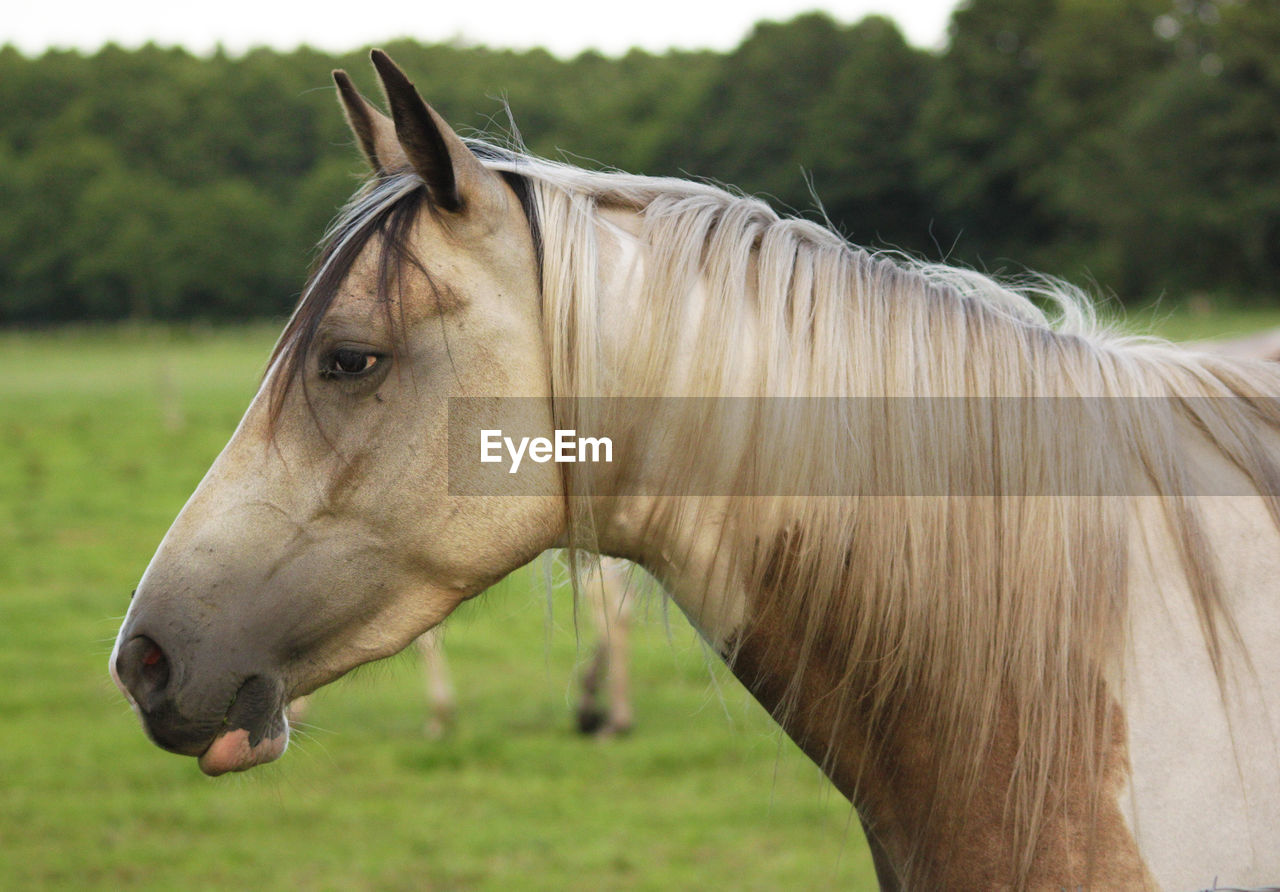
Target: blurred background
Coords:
[(164, 174), (1134, 145)]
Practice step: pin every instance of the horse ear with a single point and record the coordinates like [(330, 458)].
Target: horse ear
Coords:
[(373, 130), (454, 176)]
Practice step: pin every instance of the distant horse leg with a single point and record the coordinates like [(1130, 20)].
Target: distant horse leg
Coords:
[(441, 703), (591, 718), (617, 638), (611, 660)]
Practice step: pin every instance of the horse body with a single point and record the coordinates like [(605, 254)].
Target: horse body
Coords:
[(1188, 777), (1259, 345), (1175, 791), (1002, 619), (1203, 793)]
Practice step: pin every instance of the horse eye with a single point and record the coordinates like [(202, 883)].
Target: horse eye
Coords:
[(348, 363)]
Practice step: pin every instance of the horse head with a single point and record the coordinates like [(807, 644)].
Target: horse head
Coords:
[(325, 535)]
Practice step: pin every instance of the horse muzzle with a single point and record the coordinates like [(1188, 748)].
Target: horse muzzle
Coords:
[(231, 722)]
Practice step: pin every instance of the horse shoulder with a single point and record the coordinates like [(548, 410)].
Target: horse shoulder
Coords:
[(1203, 801)]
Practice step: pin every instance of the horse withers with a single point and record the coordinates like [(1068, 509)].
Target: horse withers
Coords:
[(1007, 577)]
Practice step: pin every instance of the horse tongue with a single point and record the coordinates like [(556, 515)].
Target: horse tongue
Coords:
[(232, 751)]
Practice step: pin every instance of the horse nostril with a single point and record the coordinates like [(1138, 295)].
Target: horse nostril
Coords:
[(143, 668), (155, 668)]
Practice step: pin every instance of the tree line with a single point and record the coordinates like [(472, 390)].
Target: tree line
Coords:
[(1134, 145)]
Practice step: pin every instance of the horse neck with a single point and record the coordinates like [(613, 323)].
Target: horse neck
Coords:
[(707, 550), (641, 366), (887, 763)]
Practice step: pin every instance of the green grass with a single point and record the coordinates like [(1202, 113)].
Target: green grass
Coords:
[(105, 433), (1201, 321)]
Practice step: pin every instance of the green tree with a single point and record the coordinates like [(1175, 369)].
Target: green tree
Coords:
[(856, 138), (1182, 190), (1099, 60), (1136, 141), (968, 142), (114, 239), (42, 189), (750, 127)]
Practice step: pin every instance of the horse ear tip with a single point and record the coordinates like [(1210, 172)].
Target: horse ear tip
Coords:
[(340, 77)]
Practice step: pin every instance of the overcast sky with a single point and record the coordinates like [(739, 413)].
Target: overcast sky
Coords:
[(566, 27)]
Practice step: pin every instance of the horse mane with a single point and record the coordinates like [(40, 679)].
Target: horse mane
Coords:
[(1003, 603)]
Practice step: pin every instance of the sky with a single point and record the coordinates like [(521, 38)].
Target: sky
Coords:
[(566, 27)]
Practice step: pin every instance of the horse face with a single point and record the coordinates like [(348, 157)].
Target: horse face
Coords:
[(325, 535)]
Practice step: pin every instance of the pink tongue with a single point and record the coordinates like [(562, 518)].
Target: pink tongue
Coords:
[(232, 752)]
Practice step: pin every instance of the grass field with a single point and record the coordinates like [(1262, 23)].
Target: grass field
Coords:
[(104, 435)]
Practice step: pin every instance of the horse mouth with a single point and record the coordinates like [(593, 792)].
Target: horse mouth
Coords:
[(236, 750), (255, 729)]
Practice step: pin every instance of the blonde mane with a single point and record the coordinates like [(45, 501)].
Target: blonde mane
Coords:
[(1005, 601)]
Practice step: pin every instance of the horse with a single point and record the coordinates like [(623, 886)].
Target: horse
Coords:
[(604, 684), (1259, 345), (1007, 576), (604, 698)]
